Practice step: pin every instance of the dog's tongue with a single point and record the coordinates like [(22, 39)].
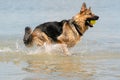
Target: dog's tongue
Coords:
[(92, 22)]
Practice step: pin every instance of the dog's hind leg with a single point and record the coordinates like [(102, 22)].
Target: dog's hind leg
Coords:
[(27, 37), (40, 38)]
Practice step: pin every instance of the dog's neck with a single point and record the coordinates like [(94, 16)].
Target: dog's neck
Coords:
[(80, 21), (79, 28)]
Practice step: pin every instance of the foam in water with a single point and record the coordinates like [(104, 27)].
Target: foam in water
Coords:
[(48, 49), (83, 47), (18, 47), (6, 49)]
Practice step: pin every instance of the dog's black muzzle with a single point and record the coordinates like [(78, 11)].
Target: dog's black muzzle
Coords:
[(95, 18), (89, 19)]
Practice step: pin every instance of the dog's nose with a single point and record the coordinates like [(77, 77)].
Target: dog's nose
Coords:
[(96, 17)]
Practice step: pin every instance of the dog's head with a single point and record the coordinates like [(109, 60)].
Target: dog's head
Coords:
[(85, 16)]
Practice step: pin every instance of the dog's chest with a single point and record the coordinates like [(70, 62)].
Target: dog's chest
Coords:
[(72, 40), (70, 36)]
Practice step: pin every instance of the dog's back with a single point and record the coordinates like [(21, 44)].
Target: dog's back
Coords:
[(52, 29)]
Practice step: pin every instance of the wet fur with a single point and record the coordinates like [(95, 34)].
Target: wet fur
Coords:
[(66, 32)]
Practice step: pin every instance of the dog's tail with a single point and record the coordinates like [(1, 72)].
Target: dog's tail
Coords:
[(28, 37)]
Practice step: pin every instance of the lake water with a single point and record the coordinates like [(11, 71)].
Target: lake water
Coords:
[(95, 57)]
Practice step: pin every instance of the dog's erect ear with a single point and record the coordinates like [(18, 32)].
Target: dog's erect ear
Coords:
[(83, 8), (90, 8)]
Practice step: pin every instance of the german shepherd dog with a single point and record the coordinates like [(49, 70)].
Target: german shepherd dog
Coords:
[(67, 33)]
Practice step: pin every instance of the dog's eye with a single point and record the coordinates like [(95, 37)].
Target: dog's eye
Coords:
[(90, 13)]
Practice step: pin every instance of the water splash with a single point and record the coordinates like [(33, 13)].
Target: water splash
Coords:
[(84, 47), (19, 48)]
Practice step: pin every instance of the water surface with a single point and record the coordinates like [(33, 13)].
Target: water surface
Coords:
[(95, 57)]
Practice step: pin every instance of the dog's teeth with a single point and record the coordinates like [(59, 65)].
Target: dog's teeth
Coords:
[(88, 21)]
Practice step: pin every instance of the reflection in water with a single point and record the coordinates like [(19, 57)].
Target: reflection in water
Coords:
[(64, 66), (52, 67), (54, 64)]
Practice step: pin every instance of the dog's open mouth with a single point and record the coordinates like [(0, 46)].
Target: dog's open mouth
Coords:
[(91, 21)]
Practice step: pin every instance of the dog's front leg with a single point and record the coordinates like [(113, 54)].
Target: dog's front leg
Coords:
[(65, 49)]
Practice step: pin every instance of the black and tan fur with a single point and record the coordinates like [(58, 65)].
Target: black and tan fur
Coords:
[(66, 32)]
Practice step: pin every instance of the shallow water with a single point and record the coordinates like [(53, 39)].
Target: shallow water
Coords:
[(55, 67), (95, 57)]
